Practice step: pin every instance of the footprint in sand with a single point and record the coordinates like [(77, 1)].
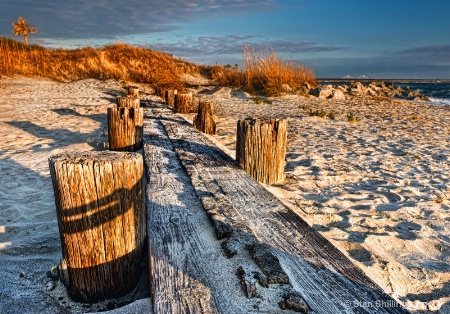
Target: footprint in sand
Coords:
[(408, 230)]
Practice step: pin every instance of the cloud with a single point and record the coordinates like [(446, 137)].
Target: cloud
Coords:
[(210, 48), (109, 18), (428, 55)]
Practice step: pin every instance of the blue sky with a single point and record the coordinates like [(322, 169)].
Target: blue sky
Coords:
[(377, 38)]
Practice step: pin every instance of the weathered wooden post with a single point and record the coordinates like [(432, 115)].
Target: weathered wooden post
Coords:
[(133, 91), (183, 103), (99, 199), (261, 148), (125, 129), (204, 120), (170, 97), (161, 93), (129, 102)]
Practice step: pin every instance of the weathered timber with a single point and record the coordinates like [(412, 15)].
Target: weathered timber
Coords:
[(128, 102), (183, 103), (125, 129), (170, 97), (189, 273), (133, 91), (268, 263), (99, 199), (161, 93), (292, 300), (261, 148), (324, 277), (204, 120)]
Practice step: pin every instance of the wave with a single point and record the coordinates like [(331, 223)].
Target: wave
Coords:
[(440, 101)]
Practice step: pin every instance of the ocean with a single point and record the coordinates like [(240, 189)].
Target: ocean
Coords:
[(437, 91)]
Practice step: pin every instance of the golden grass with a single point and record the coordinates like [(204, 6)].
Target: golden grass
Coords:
[(264, 73), (116, 61)]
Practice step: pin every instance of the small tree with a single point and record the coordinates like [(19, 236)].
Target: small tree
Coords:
[(21, 27)]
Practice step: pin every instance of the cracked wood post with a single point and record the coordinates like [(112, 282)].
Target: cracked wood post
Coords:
[(133, 91), (183, 103), (125, 129), (261, 148), (170, 97), (204, 120), (128, 102), (99, 198)]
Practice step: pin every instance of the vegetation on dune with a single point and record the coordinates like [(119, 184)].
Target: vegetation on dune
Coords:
[(116, 61), (21, 27), (264, 73)]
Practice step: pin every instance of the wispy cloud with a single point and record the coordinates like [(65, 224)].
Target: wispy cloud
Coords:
[(419, 62), (104, 18), (209, 47)]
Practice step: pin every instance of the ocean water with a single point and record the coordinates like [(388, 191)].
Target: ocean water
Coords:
[(438, 92)]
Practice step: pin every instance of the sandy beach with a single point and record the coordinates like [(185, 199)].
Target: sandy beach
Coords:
[(378, 188)]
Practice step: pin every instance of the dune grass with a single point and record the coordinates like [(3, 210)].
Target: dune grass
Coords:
[(264, 73), (116, 61)]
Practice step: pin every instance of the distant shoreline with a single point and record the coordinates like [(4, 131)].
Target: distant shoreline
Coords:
[(384, 80)]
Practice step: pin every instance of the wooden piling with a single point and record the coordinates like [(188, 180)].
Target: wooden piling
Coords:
[(170, 97), (129, 102), (133, 91), (261, 148), (183, 103), (99, 199), (125, 129), (204, 120)]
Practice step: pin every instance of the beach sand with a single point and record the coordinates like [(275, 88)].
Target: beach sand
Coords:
[(40, 118), (378, 189)]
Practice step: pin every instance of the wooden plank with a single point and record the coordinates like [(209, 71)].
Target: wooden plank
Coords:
[(327, 280), (189, 271)]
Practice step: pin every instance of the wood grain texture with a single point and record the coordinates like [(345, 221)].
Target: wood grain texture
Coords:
[(189, 271), (133, 91), (170, 97), (247, 214), (125, 129), (261, 148), (99, 199), (183, 103), (128, 102), (204, 120)]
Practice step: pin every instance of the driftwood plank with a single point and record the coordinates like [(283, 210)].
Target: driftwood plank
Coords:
[(189, 272), (327, 280)]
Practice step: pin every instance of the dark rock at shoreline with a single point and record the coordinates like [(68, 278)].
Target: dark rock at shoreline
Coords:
[(372, 89)]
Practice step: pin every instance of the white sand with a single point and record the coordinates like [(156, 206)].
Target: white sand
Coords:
[(378, 189), (39, 118)]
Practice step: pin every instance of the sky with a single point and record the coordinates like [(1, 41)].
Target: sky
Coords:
[(376, 38)]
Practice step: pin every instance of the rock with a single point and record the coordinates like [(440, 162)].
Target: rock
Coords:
[(337, 94), (322, 92), (358, 88)]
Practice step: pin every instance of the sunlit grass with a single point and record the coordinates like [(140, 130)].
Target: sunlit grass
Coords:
[(264, 73), (116, 61)]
